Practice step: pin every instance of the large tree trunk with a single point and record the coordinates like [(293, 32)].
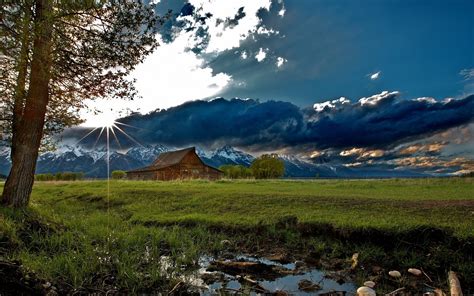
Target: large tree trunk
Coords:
[(29, 130)]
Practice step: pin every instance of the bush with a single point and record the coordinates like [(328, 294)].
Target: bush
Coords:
[(236, 171), (44, 177), (66, 176), (118, 175), (268, 166)]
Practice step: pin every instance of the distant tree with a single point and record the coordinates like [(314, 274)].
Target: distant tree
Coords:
[(54, 56), (118, 174), (236, 171), (268, 166)]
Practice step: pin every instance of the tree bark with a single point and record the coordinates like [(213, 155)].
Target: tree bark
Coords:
[(29, 130), (22, 68)]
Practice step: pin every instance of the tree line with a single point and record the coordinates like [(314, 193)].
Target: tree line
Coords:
[(267, 166), (62, 176)]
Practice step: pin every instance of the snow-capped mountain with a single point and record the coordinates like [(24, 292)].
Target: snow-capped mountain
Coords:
[(93, 163), (230, 155), (147, 154)]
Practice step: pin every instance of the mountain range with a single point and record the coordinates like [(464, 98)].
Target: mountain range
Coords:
[(93, 163)]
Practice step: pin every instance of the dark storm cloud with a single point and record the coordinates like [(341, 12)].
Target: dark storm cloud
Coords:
[(376, 122)]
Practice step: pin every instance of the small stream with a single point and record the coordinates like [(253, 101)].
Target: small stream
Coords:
[(229, 284)]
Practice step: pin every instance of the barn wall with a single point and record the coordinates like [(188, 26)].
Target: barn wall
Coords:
[(191, 167)]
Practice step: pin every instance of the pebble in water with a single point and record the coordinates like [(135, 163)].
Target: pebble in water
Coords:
[(365, 291), (394, 273), (414, 271), (369, 284)]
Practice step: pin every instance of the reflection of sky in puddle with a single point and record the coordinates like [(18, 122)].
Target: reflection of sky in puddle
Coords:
[(287, 283)]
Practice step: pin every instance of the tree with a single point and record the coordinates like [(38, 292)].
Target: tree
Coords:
[(236, 171), (58, 54), (268, 166), (117, 175)]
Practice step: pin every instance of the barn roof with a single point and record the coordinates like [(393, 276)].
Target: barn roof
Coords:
[(167, 159)]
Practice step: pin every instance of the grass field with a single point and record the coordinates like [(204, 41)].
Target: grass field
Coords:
[(77, 232)]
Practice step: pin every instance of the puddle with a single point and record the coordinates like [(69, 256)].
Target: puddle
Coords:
[(223, 283)]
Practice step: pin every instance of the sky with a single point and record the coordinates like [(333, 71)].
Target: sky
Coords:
[(343, 78)]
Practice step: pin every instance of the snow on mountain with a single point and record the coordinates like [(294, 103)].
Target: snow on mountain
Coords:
[(232, 156), (93, 163), (147, 154)]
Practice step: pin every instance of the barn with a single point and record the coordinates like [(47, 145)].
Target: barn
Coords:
[(174, 165)]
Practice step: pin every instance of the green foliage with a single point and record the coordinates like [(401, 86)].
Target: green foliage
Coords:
[(268, 166), (236, 171), (65, 176), (116, 175)]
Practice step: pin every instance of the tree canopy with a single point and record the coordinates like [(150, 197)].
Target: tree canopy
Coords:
[(268, 166), (56, 55)]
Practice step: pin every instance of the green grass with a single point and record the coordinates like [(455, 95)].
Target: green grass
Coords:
[(84, 235), (385, 204)]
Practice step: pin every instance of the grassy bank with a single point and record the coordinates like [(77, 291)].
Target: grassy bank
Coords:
[(78, 236)]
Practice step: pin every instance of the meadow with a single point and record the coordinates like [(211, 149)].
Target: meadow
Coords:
[(91, 235)]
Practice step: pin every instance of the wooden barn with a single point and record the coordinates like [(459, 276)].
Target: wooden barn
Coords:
[(173, 165)]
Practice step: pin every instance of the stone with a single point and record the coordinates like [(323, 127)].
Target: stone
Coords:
[(394, 273), (365, 291), (47, 285), (308, 286), (369, 284), (415, 271), (299, 264), (225, 242)]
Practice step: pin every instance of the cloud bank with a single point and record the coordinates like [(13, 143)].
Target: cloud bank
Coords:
[(375, 122)]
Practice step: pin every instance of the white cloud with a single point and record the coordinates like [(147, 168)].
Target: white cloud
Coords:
[(280, 61), (282, 12), (467, 74), (168, 77), (330, 104), (173, 74), (261, 55), (375, 99), (426, 99), (265, 31), (224, 38), (375, 75)]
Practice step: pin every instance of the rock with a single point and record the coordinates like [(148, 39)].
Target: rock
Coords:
[(369, 284), (226, 243), (365, 291), (299, 264), (281, 257), (414, 271), (47, 285), (308, 286), (394, 273), (354, 260)]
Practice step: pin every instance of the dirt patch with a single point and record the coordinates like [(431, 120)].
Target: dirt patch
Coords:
[(430, 204), (14, 280)]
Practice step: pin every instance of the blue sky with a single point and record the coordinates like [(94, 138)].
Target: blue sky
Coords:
[(420, 47), (370, 83)]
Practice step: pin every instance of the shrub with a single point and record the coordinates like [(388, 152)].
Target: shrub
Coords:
[(236, 171), (66, 176), (118, 175), (268, 166)]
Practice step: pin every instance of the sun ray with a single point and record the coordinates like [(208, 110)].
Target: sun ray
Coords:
[(115, 136), (100, 134), (128, 125), (86, 135), (135, 141)]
